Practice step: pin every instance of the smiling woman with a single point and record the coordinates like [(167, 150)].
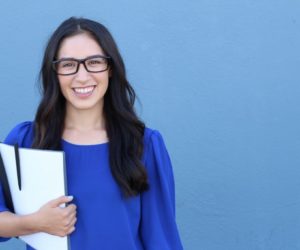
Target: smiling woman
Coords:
[(112, 160), (83, 82)]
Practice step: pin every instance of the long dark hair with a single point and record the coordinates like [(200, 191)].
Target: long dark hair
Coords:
[(125, 130)]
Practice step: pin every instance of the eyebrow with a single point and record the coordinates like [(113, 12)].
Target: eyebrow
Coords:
[(89, 57)]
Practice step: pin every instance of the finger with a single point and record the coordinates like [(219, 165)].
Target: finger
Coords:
[(72, 222), (71, 207), (72, 215), (71, 230), (60, 200)]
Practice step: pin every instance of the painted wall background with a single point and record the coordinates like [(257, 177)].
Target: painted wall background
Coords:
[(219, 79)]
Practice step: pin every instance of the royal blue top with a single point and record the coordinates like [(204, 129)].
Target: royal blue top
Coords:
[(105, 219)]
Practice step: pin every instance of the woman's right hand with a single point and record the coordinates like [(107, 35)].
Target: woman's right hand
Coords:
[(54, 219)]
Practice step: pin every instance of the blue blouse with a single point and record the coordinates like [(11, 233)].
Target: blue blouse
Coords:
[(105, 219)]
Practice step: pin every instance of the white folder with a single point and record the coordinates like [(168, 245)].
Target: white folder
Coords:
[(43, 178)]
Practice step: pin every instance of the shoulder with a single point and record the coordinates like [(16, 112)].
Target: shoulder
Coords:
[(22, 134), (154, 145), (152, 135)]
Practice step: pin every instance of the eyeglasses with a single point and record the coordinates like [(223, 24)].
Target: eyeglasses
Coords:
[(70, 66)]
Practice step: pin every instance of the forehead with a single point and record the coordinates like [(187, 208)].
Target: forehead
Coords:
[(79, 46)]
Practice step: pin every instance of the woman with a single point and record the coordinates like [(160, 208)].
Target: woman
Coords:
[(112, 160)]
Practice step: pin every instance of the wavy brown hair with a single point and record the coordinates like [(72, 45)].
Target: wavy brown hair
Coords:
[(125, 130)]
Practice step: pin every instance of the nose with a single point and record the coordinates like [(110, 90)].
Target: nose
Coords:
[(82, 75)]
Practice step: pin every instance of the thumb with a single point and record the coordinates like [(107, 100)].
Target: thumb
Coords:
[(60, 200)]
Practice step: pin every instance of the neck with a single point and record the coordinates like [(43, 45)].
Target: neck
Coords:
[(85, 126), (84, 120)]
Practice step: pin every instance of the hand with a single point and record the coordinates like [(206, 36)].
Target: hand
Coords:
[(54, 219)]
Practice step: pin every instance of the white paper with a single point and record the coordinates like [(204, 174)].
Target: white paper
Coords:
[(42, 179)]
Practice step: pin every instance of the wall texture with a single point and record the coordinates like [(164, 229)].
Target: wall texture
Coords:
[(219, 79)]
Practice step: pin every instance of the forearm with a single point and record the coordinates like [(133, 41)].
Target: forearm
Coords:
[(12, 225)]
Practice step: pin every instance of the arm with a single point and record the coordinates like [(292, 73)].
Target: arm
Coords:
[(158, 226), (12, 225), (50, 218)]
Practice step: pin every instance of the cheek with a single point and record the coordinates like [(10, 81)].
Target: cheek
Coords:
[(63, 84), (106, 86), (103, 81)]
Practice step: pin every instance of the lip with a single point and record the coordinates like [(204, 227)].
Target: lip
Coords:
[(84, 92)]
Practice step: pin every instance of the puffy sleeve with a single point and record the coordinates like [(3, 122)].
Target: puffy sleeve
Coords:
[(158, 225), (20, 134)]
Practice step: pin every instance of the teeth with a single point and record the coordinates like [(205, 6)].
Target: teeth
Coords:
[(84, 90)]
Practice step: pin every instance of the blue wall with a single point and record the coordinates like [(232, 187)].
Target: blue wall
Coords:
[(220, 80)]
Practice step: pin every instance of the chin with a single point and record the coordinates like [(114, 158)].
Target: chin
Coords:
[(85, 106)]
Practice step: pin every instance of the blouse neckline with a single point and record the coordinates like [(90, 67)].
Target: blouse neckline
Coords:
[(83, 145)]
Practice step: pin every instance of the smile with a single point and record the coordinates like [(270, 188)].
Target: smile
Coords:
[(86, 90)]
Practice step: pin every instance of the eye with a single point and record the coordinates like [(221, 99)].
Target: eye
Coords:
[(96, 61), (68, 64)]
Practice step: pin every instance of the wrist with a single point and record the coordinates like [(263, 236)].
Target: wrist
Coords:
[(30, 223)]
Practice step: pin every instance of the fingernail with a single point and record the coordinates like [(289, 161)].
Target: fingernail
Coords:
[(70, 197)]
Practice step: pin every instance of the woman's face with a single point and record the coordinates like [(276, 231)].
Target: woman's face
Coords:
[(83, 90)]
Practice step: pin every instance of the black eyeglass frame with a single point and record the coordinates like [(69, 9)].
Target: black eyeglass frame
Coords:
[(81, 61)]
